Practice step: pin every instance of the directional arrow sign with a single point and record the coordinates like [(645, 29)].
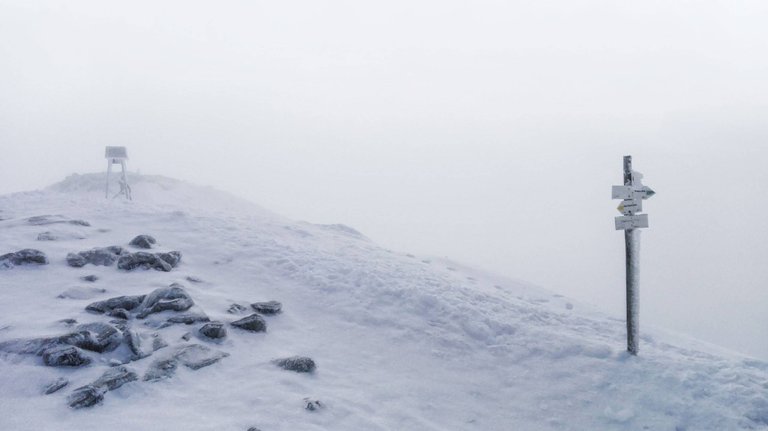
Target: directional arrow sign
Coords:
[(632, 222), (630, 206), (644, 192)]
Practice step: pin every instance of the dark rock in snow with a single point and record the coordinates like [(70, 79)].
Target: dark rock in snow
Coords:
[(119, 313), (64, 356), (236, 309), (139, 347), (28, 256), (171, 258), (187, 336), (312, 405), (32, 346), (159, 261), (193, 356), (269, 307), (86, 396), (143, 241), (196, 356), (186, 319), (55, 386), (115, 377), (254, 429), (214, 330), (161, 369), (134, 342), (96, 337), (104, 256), (125, 302), (68, 322), (253, 323), (194, 279), (299, 364), (89, 278), (173, 298)]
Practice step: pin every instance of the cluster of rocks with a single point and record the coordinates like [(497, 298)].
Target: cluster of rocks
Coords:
[(107, 256), (83, 344), (100, 256)]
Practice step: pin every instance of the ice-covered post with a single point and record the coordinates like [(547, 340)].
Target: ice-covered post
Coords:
[(632, 194)]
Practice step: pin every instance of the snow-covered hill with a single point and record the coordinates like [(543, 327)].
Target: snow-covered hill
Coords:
[(401, 342)]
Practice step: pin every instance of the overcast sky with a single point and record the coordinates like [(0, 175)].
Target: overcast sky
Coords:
[(489, 132)]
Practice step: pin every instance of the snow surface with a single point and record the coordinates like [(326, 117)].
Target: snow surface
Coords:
[(401, 342)]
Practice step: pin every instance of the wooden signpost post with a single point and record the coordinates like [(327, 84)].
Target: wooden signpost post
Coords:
[(632, 194)]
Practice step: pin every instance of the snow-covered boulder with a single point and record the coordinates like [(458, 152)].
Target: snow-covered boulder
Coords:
[(28, 256), (269, 307), (173, 297), (143, 241), (253, 323)]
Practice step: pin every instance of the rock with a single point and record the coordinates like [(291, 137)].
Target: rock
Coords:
[(143, 241), (196, 356), (269, 307), (75, 260), (194, 279), (158, 343), (161, 369), (236, 309), (27, 256), (187, 319), (134, 342), (43, 220), (85, 396), (52, 387), (312, 405), (115, 377), (104, 256), (214, 330), (173, 298), (299, 364), (89, 278), (119, 313), (81, 292), (125, 302), (253, 323), (96, 337), (119, 324), (172, 258), (64, 356), (32, 346), (254, 429), (68, 322), (187, 336)]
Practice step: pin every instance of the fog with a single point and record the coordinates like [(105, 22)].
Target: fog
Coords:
[(488, 132)]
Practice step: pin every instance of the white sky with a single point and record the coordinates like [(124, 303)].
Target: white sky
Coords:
[(486, 131)]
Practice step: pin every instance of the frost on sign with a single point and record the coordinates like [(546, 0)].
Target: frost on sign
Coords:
[(632, 195), (632, 222)]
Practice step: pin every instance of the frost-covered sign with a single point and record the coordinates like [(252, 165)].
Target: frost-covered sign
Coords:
[(632, 194)]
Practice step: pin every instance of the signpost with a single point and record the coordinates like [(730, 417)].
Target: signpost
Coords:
[(632, 194)]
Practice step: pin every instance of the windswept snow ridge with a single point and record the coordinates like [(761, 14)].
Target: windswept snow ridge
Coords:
[(389, 341)]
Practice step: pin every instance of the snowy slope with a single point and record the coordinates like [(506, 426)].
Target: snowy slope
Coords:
[(401, 342)]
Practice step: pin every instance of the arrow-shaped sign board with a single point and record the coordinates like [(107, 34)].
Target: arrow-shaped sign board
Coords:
[(630, 206), (632, 222), (644, 192)]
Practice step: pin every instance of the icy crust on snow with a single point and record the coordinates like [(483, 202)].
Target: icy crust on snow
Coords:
[(403, 342)]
